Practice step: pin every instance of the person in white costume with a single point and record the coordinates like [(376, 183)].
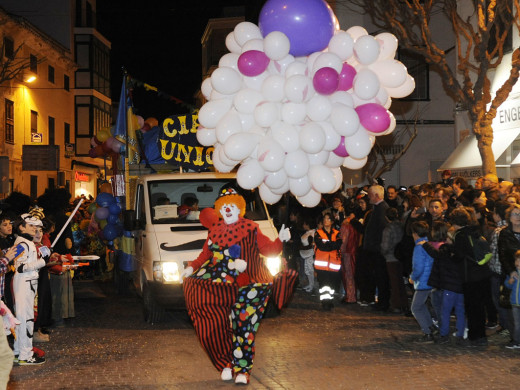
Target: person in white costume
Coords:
[(25, 283)]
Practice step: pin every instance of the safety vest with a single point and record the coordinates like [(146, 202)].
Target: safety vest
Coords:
[(327, 261)]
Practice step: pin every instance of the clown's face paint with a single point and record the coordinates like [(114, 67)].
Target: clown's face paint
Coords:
[(230, 213)]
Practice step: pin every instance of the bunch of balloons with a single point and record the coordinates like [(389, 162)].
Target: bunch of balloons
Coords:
[(106, 211), (296, 98), (104, 144)]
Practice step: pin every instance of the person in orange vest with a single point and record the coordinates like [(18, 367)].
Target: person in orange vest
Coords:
[(327, 260)]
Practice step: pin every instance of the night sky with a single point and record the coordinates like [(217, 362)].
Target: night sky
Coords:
[(158, 42)]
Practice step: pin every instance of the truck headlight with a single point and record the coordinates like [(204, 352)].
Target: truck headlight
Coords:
[(167, 271), (274, 264)]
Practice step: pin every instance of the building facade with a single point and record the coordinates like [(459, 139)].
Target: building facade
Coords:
[(48, 123)]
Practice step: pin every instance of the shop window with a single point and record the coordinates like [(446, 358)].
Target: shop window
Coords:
[(34, 187)]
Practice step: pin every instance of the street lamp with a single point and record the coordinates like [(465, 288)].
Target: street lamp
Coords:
[(29, 78)]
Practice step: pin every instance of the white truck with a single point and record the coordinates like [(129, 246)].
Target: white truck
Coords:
[(167, 239)]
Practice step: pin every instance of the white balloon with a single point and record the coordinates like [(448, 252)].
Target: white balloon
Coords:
[(354, 163), (206, 88), (219, 150), (366, 49), (344, 119), (270, 154), (240, 145), (266, 113), (286, 135), (358, 101), (247, 121), (300, 186), (246, 100), (327, 60), (276, 179), (229, 124), (219, 165), (332, 138), (232, 44), (358, 145), (276, 45), (295, 68), (250, 175), (391, 127), (342, 97), (356, 31), (310, 59), (403, 90), (226, 80), (342, 45), (206, 137), (255, 82), (273, 88), (319, 158), (267, 195), (253, 44), (372, 139), (321, 178), (257, 130), (298, 88), (366, 84), (338, 176), (294, 113), (229, 60), (211, 112), (312, 138), (279, 67), (281, 190), (296, 164), (334, 160), (310, 199), (246, 31), (388, 45), (217, 95), (319, 108), (382, 96), (391, 73)]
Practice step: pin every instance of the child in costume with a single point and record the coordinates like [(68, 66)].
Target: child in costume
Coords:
[(25, 284), (229, 279)]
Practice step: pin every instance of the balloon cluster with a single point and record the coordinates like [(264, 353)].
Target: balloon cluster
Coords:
[(104, 144), (106, 213), (291, 116)]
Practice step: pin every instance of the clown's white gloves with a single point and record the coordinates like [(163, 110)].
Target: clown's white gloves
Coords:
[(284, 234), (240, 265), (187, 272)]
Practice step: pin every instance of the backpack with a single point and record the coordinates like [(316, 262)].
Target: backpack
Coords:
[(481, 249)]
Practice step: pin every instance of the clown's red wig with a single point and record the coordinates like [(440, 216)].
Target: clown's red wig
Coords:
[(237, 200)]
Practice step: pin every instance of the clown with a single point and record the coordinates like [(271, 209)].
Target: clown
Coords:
[(227, 287)]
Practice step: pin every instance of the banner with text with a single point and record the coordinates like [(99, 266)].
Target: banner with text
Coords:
[(179, 146)]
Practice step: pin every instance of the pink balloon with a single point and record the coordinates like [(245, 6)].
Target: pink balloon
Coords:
[(373, 117), (341, 150), (252, 63), (325, 81), (346, 77)]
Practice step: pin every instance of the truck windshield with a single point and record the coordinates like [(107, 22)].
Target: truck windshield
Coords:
[(180, 201)]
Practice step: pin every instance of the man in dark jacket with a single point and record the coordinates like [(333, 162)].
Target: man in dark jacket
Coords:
[(372, 246)]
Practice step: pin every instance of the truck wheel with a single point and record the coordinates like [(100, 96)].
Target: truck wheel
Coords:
[(153, 312)]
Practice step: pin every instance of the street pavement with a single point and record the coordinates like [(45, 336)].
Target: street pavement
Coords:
[(109, 346)]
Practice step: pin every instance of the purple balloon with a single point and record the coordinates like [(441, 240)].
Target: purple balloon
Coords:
[(325, 81), (102, 213), (341, 150), (373, 117), (309, 24), (346, 77), (252, 63)]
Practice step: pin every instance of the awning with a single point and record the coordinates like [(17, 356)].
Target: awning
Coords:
[(466, 154)]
